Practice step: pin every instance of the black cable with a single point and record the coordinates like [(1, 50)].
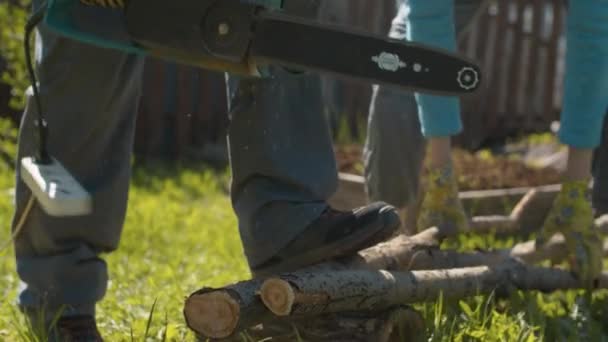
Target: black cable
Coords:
[(36, 17)]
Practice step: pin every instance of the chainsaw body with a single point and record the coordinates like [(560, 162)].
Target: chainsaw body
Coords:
[(74, 19), (241, 38)]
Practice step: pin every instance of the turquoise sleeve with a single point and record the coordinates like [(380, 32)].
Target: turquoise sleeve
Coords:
[(586, 82), (431, 22)]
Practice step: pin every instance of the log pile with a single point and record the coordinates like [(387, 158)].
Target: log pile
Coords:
[(364, 297)]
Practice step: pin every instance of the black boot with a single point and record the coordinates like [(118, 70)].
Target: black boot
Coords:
[(334, 234), (76, 329)]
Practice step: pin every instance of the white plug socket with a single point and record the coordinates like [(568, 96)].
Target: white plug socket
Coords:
[(57, 191)]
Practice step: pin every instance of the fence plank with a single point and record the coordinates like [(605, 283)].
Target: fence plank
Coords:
[(533, 66), (150, 128), (552, 56), (520, 69), (515, 61), (183, 112), (495, 114)]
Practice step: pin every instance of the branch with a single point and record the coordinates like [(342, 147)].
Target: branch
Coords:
[(309, 294), (221, 313)]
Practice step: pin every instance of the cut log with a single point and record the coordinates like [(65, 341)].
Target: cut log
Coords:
[(223, 312), (431, 259), (554, 250), (421, 252), (393, 325), (219, 313), (310, 294), (394, 254)]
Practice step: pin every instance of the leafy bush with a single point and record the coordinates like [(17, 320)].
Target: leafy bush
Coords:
[(8, 144), (13, 16)]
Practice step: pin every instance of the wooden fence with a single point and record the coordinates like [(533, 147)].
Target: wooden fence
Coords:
[(518, 43), (182, 110), (520, 46)]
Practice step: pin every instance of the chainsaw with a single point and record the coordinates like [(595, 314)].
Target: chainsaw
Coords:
[(242, 37), (239, 37)]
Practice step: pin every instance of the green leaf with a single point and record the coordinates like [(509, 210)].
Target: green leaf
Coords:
[(464, 306)]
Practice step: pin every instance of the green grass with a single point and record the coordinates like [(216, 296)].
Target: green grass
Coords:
[(180, 235)]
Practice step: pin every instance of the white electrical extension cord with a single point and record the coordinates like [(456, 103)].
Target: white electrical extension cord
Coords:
[(20, 224), (57, 191)]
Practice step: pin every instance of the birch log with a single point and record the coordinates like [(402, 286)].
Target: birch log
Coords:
[(310, 294), (222, 312)]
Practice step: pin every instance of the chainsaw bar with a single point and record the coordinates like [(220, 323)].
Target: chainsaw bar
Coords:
[(242, 37), (280, 39)]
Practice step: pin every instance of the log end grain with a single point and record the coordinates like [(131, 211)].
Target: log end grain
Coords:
[(213, 314), (278, 296)]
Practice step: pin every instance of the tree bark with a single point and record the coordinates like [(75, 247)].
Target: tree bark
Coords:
[(310, 294), (221, 313), (396, 324), (433, 258), (224, 313)]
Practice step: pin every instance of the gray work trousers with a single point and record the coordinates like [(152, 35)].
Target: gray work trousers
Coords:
[(394, 149), (280, 149)]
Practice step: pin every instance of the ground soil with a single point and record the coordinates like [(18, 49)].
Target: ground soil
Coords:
[(475, 171)]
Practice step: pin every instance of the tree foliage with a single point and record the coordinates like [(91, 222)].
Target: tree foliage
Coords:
[(13, 16)]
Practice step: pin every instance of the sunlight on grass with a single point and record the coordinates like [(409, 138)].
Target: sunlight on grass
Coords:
[(180, 235)]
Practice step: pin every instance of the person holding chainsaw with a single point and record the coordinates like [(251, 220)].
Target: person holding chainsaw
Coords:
[(584, 107), (281, 155)]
